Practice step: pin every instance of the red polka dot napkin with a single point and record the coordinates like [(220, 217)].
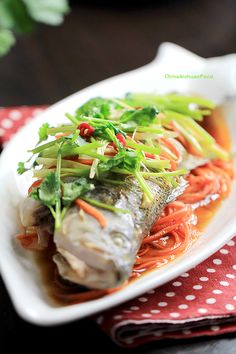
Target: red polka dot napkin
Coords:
[(198, 303), (201, 302), (11, 119)]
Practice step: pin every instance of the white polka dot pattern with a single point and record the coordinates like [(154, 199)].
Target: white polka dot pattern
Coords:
[(197, 287), (217, 261), (201, 310), (211, 270), (211, 300), (155, 311), (224, 283), (146, 315), (190, 297), (134, 308), (6, 123), (183, 307), (37, 111), (174, 314), (224, 251), (230, 276), (170, 294), (15, 114), (203, 278), (206, 291), (185, 275), (229, 307), (11, 119), (177, 283)]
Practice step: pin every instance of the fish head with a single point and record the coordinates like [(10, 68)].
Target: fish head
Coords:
[(93, 256)]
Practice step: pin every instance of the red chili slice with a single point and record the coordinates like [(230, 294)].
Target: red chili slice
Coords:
[(121, 139), (34, 185), (86, 130), (150, 156)]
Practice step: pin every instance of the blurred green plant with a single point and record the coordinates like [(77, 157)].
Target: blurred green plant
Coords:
[(20, 16)]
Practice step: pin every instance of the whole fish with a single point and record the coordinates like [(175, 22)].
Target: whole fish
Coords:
[(121, 139), (103, 258)]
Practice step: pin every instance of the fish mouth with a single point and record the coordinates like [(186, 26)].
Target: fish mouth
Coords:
[(80, 272)]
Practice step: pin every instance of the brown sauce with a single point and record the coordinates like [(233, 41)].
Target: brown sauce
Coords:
[(206, 213), (55, 288), (216, 125)]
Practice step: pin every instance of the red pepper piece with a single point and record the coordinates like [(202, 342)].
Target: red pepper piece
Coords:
[(86, 130)]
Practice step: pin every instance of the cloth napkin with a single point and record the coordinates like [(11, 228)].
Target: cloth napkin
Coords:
[(201, 302)]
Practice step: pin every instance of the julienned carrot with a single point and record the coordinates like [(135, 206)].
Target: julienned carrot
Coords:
[(212, 178), (164, 155), (172, 147), (86, 161), (173, 216), (89, 209), (160, 233), (80, 160), (189, 147), (60, 135)]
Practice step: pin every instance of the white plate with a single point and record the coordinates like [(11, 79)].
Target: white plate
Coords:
[(20, 274)]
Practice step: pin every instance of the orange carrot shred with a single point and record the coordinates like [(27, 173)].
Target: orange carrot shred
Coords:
[(89, 209), (60, 135), (86, 161), (34, 185)]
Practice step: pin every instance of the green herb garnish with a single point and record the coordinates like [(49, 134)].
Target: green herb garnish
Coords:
[(73, 190), (126, 141), (106, 206), (142, 117), (43, 132), (21, 168)]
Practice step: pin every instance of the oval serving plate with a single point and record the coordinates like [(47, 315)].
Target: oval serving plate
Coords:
[(18, 270)]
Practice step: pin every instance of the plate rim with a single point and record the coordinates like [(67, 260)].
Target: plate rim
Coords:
[(57, 315)]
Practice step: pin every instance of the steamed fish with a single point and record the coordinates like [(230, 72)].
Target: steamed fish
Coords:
[(103, 257), (97, 257), (107, 177)]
